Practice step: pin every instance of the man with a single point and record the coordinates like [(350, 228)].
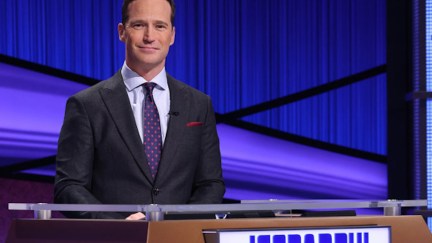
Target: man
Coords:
[(117, 147)]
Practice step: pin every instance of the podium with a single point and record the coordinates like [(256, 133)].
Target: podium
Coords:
[(402, 229)]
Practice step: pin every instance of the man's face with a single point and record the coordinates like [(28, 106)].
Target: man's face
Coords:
[(148, 34)]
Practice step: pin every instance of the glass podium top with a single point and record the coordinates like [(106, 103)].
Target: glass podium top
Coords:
[(157, 211)]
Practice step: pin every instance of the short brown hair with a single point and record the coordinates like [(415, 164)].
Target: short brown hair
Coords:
[(125, 13)]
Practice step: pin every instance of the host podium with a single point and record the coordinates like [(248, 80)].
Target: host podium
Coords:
[(402, 229)]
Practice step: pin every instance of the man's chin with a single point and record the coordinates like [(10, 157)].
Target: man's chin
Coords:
[(146, 64)]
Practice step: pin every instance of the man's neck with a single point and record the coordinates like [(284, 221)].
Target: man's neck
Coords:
[(147, 73)]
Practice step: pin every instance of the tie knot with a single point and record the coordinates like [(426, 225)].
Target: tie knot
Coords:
[(149, 86)]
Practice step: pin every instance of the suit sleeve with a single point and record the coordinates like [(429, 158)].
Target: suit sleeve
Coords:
[(209, 186), (75, 156)]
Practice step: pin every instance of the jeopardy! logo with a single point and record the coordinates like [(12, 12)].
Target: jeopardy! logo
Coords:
[(344, 234), (311, 238)]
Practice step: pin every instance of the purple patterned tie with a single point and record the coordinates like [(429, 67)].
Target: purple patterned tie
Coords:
[(152, 130)]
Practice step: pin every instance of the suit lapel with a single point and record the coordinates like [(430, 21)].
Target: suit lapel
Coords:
[(118, 105), (177, 122)]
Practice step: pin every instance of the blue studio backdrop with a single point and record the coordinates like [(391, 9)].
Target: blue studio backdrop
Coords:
[(240, 52)]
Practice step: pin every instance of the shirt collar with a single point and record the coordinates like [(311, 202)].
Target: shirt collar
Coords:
[(133, 80)]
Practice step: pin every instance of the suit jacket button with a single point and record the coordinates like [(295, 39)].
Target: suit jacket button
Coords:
[(156, 191)]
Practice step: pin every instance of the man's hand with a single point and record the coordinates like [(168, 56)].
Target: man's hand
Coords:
[(136, 216)]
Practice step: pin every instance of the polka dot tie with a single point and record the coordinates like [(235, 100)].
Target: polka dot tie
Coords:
[(152, 130)]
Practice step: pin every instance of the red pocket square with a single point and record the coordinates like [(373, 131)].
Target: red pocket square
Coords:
[(194, 124)]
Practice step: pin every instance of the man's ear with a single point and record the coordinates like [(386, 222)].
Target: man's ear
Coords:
[(172, 37), (121, 32)]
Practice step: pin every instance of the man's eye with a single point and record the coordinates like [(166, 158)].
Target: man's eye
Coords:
[(138, 26), (160, 26)]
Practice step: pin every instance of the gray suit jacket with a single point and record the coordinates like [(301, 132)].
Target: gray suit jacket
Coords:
[(101, 158)]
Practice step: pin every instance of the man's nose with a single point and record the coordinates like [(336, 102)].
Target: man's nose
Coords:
[(149, 34)]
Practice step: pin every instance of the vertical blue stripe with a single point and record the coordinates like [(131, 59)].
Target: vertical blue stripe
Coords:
[(428, 41)]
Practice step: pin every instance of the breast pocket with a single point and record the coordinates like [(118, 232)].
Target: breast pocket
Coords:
[(192, 136)]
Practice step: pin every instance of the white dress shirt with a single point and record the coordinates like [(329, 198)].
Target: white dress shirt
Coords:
[(136, 93)]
